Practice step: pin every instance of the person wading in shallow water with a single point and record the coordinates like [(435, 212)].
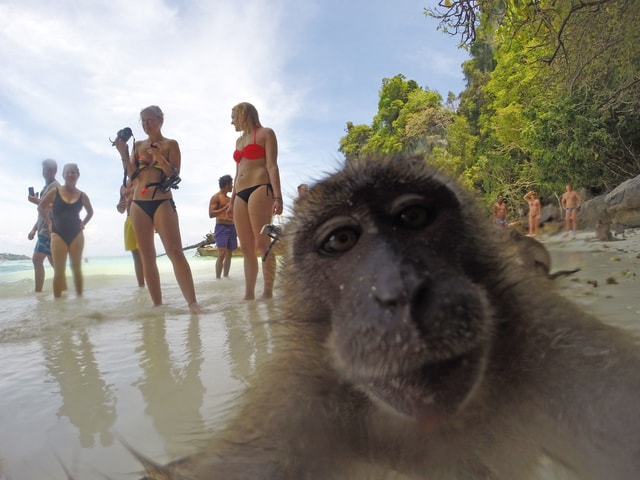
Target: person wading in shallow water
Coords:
[(256, 194), (67, 237), (42, 249), (155, 163), (225, 231)]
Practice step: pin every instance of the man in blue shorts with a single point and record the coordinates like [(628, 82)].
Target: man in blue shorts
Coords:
[(43, 248), (225, 231)]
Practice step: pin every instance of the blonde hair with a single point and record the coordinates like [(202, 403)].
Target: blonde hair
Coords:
[(248, 113)]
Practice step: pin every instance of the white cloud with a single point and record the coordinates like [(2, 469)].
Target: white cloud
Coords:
[(76, 72)]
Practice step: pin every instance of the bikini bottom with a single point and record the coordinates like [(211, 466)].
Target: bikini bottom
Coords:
[(150, 206), (246, 193)]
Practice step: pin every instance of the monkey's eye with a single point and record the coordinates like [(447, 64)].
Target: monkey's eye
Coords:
[(337, 236), (412, 211)]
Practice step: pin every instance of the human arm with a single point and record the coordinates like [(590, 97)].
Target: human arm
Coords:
[(33, 231), (45, 205), (271, 152), (125, 198), (35, 199), (214, 211), (86, 203), (166, 156)]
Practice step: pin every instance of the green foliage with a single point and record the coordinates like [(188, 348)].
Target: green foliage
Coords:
[(553, 96)]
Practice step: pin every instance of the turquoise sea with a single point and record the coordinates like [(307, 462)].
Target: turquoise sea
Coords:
[(82, 377)]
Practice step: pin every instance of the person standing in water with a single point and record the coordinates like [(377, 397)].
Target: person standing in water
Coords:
[(67, 237), (225, 231), (256, 195), (42, 249), (155, 162)]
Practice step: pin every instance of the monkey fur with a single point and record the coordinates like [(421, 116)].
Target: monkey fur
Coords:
[(411, 347), (533, 254)]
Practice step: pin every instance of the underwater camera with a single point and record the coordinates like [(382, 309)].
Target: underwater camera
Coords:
[(274, 231), (170, 182), (125, 134)]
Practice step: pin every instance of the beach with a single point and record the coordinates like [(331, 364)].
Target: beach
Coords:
[(83, 377)]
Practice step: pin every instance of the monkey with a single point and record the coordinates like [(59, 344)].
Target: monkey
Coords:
[(410, 347), (534, 254)]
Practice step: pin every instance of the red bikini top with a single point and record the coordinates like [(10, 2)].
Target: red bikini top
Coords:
[(253, 151)]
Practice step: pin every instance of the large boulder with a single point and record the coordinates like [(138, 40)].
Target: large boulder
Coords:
[(591, 212), (623, 203)]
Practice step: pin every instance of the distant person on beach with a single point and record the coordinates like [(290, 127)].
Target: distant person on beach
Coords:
[(256, 194), (571, 202), (303, 189), (67, 237), (130, 242), (42, 249), (225, 230), (534, 212), (155, 164), (500, 213)]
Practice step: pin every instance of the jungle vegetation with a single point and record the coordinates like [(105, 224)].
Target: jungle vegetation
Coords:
[(552, 96)]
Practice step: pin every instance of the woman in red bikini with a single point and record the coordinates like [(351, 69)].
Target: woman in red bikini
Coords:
[(154, 162), (256, 194)]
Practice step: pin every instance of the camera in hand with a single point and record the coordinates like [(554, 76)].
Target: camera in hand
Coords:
[(170, 182), (32, 192), (125, 134), (274, 231)]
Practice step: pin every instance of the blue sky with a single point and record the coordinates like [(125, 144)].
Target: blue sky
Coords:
[(76, 72)]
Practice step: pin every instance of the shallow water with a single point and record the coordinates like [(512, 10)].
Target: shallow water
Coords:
[(82, 377)]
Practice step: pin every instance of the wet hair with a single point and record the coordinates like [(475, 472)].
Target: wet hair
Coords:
[(248, 113), (225, 180), (154, 110)]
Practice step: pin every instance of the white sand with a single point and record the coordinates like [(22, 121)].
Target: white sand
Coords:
[(607, 284)]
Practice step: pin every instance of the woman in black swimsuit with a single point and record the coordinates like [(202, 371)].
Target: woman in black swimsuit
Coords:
[(67, 237), (152, 162)]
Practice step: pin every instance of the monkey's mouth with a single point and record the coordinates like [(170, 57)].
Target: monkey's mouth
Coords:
[(432, 392)]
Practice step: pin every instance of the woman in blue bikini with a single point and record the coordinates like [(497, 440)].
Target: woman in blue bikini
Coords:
[(154, 162), (256, 194)]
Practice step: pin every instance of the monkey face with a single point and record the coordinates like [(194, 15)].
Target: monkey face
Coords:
[(388, 255)]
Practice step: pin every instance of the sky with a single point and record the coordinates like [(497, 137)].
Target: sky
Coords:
[(75, 72)]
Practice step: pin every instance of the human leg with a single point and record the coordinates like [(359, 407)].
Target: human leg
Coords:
[(222, 256), (227, 263), (144, 230), (137, 265), (75, 257), (166, 221), (531, 222), (260, 207), (38, 269), (574, 220), (59, 252), (248, 246)]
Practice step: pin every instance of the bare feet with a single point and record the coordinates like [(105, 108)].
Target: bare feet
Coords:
[(195, 308)]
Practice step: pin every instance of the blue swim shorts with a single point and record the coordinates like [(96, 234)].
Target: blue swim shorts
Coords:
[(43, 245), (226, 236)]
